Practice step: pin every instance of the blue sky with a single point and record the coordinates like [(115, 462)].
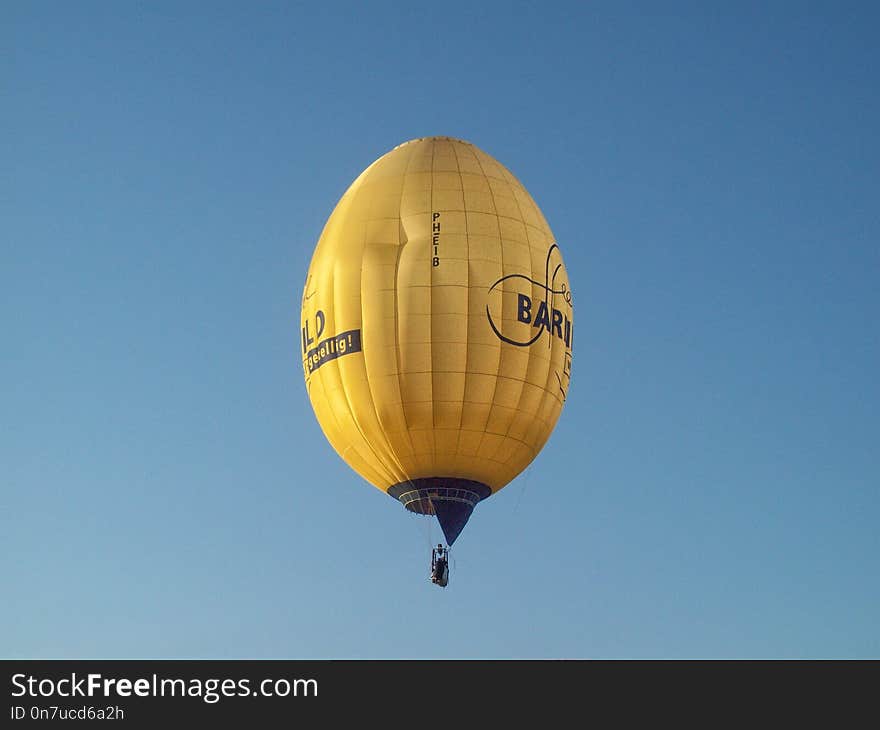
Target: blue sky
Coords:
[(710, 171)]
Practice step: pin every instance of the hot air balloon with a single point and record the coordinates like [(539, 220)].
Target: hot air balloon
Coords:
[(437, 328)]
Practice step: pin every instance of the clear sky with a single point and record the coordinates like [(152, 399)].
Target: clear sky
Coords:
[(710, 171)]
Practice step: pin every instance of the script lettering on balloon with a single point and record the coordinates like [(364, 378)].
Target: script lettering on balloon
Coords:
[(329, 348)]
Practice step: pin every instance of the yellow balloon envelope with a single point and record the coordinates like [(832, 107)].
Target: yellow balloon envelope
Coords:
[(437, 328)]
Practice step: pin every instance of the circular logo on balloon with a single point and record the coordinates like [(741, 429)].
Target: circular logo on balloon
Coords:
[(549, 313)]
